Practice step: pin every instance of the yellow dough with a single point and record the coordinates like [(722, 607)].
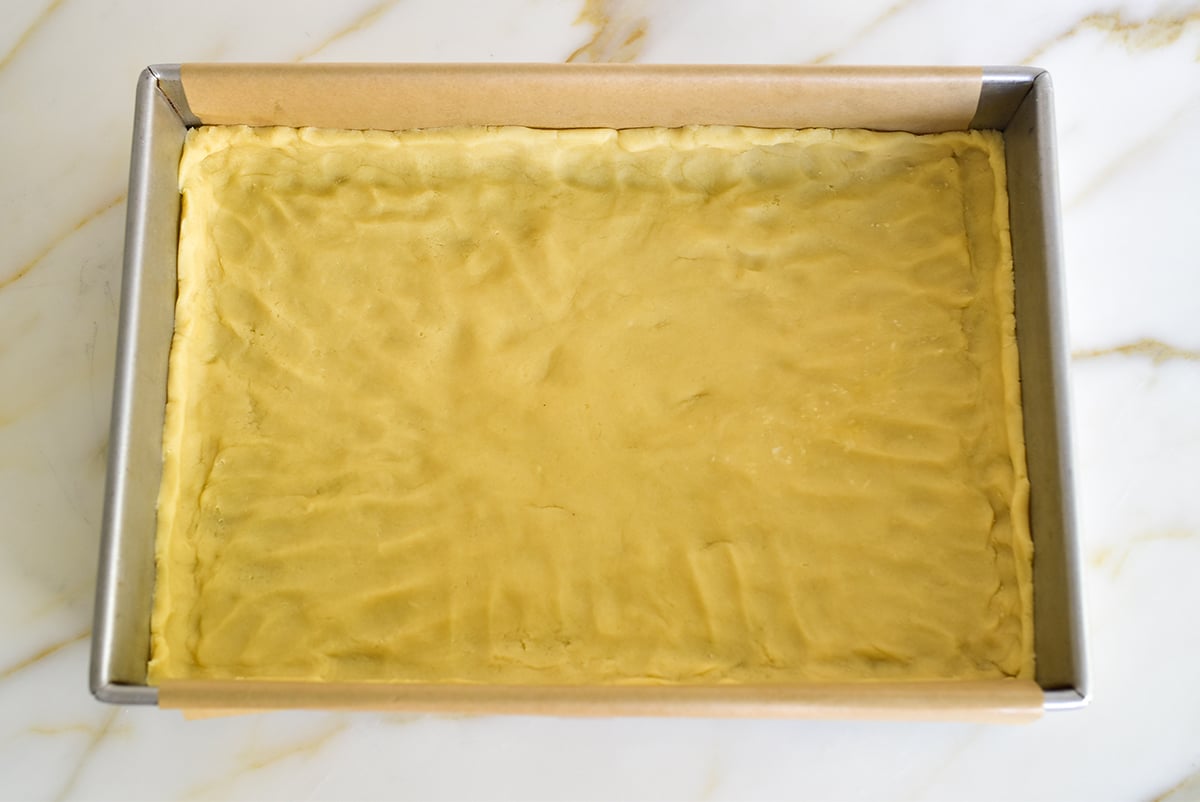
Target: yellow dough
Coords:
[(506, 405)]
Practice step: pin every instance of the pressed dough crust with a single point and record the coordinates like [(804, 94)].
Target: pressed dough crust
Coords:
[(504, 405)]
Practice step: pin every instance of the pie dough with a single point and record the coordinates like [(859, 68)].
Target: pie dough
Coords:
[(503, 405)]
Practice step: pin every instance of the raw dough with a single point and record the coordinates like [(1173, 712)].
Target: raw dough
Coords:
[(507, 405)]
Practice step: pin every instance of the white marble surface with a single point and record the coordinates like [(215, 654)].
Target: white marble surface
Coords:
[(1128, 82)]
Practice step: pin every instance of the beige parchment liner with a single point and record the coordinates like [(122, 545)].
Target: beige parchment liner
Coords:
[(382, 96), (399, 96), (993, 701)]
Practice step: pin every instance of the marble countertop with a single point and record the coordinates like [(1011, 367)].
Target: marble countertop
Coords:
[(1128, 90)]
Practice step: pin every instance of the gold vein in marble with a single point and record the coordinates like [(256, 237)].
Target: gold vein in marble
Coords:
[(69, 729), (872, 26), (619, 36), (39, 656), (28, 267), (60, 599), (1121, 551), (1146, 34), (1104, 555), (305, 748), (309, 746), (27, 34), (960, 747), (1182, 791), (359, 23), (1157, 350), (77, 771), (1147, 145)]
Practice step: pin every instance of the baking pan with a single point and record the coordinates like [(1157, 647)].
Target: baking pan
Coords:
[(1017, 100)]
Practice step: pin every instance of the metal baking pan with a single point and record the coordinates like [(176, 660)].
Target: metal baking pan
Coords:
[(1017, 100)]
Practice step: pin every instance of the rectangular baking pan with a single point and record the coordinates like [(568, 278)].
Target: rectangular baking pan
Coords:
[(1017, 100)]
